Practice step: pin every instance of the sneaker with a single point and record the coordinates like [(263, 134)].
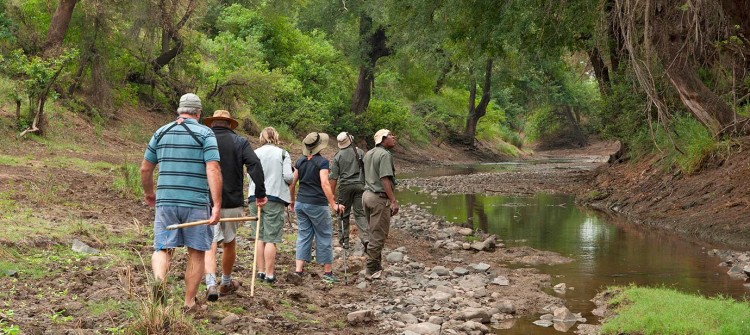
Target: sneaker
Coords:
[(260, 276), (212, 294), (229, 289), (330, 279), (270, 280)]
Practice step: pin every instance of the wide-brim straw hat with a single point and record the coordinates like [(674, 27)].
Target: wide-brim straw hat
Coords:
[(221, 115), (314, 142), (344, 140)]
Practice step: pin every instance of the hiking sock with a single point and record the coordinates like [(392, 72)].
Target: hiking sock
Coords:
[(210, 279), (329, 273), (226, 280)]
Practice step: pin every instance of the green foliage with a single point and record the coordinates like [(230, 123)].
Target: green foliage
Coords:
[(128, 181), (667, 311), (685, 147)]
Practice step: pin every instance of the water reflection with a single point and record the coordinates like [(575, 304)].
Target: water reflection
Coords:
[(606, 252)]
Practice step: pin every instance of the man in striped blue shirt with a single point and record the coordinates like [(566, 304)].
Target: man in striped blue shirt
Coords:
[(188, 159)]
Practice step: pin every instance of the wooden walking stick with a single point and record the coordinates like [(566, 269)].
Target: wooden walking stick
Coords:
[(198, 223), (255, 254)]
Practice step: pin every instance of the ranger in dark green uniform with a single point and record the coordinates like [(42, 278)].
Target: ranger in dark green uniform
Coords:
[(379, 199), (347, 170)]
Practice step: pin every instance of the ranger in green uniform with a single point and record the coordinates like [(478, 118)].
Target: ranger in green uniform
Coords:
[(347, 172), (379, 199)]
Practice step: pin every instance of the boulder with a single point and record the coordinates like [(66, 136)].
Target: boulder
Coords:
[(79, 246), (394, 257), (424, 328), (358, 317)]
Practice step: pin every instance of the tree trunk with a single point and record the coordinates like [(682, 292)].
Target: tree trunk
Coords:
[(59, 26), (571, 117), (374, 47), (443, 78), (475, 113), (617, 41), (601, 72), (738, 12), (704, 104)]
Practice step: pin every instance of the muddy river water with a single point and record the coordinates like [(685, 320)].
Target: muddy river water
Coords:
[(606, 251)]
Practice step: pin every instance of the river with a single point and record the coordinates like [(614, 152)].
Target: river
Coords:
[(607, 250)]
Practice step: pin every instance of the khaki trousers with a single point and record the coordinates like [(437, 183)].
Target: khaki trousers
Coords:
[(378, 214)]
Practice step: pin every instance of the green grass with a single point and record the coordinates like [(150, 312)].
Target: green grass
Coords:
[(128, 181), (652, 311)]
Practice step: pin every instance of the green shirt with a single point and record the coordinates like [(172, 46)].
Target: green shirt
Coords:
[(378, 164), (345, 167)]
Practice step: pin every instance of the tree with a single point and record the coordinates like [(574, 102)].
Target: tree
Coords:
[(477, 111), (373, 47), (59, 25)]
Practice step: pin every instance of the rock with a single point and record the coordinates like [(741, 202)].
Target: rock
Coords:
[(394, 257), (11, 273), (490, 242), (746, 270), (479, 314), (475, 326), (358, 317), (547, 317), (543, 323), (440, 270), (466, 246), (460, 271), (563, 326), (506, 306), (501, 280), (472, 282), (424, 328), (478, 246), (562, 314), (362, 285), (480, 292), (435, 320), (560, 288), (481, 267), (737, 271), (229, 319), (466, 231), (79, 246), (408, 319)]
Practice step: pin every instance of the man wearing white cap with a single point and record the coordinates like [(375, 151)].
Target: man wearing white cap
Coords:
[(347, 171), (188, 160), (379, 199)]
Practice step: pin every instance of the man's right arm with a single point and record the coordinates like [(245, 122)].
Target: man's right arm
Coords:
[(147, 182), (213, 174)]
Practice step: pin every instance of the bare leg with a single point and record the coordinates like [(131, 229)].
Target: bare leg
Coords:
[(228, 258), (211, 260), (270, 257), (193, 273), (259, 258), (160, 264), (299, 265)]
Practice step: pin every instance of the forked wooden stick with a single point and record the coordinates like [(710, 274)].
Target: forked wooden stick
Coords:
[(255, 254), (198, 223)]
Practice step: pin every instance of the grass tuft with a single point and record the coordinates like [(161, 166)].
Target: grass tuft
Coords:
[(667, 311), (128, 181)]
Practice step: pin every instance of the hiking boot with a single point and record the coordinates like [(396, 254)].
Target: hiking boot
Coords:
[(212, 293), (364, 246), (260, 276), (330, 279), (229, 289), (196, 308)]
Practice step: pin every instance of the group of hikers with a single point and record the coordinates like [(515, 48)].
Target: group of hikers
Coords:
[(201, 177)]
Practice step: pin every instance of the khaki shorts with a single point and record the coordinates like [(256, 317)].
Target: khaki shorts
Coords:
[(271, 221), (226, 232)]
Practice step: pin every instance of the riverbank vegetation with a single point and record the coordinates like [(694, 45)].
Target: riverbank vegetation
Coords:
[(508, 73), (666, 311)]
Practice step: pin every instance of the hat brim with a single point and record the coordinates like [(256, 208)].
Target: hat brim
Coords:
[(322, 145), (209, 120), (345, 143)]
